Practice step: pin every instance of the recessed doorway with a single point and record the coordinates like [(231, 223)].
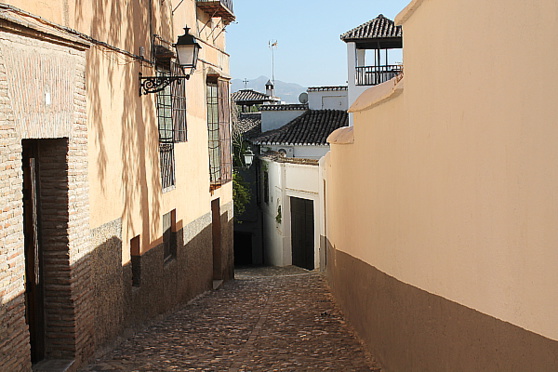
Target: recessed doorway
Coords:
[(302, 232)]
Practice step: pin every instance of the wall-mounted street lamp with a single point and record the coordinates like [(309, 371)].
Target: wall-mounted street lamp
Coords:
[(248, 158), (187, 49)]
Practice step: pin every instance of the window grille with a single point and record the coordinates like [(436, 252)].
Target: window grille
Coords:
[(178, 91), (219, 132), (225, 131), (171, 107), (166, 153), (164, 112), (213, 133)]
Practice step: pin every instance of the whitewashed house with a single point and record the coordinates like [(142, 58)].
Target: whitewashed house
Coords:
[(292, 141), (373, 49)]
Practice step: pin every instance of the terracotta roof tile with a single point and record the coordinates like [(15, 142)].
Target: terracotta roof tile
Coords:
[(328, 89), (285, 107), (311, 128), (377, 28), (249, 125), (250, 95)]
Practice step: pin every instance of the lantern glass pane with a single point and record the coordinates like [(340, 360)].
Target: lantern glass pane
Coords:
[(186, 54)]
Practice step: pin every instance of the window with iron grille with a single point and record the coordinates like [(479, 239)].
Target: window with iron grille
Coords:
[(166, 156), (171, 107), (171, 116), (219, 132)]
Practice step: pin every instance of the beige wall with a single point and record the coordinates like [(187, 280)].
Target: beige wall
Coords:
[(124, 174), (456, 177)]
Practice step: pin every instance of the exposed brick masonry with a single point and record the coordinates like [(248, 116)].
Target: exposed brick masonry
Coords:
[(54, 108), (14, 351), (118, 305)]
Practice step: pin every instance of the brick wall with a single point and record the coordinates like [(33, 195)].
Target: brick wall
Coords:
[(118, 305), (54, 113), (89, 294), (14, 350), (79, 235), (48, 110)]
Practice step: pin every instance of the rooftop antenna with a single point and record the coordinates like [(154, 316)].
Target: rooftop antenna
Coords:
[(272, 45), (245, 81)]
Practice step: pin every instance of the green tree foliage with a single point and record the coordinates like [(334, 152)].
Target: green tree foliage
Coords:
[(241, 194), (241, 190)]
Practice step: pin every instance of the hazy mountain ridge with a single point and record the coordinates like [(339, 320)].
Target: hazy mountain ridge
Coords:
[(288, 92)]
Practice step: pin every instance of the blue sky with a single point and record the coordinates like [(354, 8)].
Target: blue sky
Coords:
[(309, 50)]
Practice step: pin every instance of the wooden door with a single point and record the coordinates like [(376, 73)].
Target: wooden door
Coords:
[(34, 286), (302, 232)]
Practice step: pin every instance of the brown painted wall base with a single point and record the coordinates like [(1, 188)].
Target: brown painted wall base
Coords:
[(163, 284), (408, 329)]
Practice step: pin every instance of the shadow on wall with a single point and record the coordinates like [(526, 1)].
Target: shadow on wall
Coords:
[(106, 300), (162, 284), (112, 91), (12, 354)]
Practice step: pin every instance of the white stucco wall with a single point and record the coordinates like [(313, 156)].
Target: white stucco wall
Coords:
[(288, 180), (328, 100), (300, 151), (310, 152), (354, 90)]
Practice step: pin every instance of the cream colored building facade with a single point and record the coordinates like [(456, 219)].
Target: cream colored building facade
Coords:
[(440, 205), (124, 220)]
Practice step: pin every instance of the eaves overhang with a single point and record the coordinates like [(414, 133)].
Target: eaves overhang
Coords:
[(18, 21), (218, 8)]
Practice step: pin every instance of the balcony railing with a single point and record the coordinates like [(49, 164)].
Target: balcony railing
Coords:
[(218, 8), (374, 75)]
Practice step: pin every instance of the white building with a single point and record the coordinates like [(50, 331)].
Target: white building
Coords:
[(371, 52), (292, 142)]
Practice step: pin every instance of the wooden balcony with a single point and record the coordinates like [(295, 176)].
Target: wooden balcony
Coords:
[(218, 8), (374, 75)]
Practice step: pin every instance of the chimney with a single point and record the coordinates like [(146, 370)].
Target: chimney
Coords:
[(269, 90)]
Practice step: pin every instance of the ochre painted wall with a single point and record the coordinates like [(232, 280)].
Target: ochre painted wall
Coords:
[(452, 185), (124, 173)]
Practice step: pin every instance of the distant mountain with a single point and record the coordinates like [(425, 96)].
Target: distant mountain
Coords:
[(288, 92)]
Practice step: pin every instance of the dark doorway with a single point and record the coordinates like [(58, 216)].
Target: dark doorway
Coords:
[(34, 269), (302, 232), (216, 235), (242, 248), (48, 276)]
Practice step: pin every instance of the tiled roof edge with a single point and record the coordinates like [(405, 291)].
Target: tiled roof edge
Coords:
[(287, 107), (328, 88)]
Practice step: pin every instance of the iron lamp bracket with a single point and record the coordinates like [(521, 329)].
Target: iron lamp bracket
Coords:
[(154, 84)]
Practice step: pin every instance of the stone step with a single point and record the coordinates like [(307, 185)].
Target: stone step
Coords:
[(55, 365), (217, 284)]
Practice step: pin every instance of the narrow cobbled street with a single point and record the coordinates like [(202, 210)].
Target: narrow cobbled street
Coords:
[(269, 319)]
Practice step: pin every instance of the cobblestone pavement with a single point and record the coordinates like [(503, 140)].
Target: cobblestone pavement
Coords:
[(269, 319)]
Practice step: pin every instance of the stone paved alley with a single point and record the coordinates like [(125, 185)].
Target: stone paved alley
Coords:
[(268, 319)]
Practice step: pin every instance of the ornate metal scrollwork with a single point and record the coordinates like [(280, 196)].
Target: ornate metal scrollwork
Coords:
[(154, 84)]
